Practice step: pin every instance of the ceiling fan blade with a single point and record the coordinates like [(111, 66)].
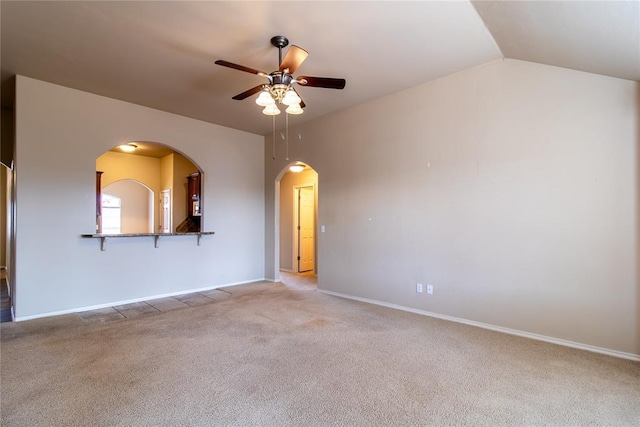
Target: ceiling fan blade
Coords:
[(326, 82), (248, 93), (302, 104), (240, 67), (292, 60)]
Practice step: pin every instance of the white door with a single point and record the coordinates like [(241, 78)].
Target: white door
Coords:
[(306, 229), (166, 211)]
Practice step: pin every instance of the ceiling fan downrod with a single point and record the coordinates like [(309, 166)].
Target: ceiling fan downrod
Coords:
[(279, 42)]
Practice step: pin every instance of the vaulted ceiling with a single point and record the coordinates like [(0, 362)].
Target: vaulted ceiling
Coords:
[(161, 54)]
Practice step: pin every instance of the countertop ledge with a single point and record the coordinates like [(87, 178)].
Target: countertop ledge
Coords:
[(194, 233), (156, 236)]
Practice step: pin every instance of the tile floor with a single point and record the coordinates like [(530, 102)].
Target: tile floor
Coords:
[(144, 308), (155, 306)]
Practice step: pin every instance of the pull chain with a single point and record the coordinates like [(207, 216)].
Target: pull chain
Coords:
[(287, 130), (274, 137)]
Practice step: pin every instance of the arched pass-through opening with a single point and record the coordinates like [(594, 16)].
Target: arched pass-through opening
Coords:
[(173, 178), (127, 207), (296, 223)]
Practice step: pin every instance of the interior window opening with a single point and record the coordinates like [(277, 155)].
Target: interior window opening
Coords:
[(159, 190)]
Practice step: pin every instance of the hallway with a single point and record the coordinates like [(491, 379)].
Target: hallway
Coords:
[(307, 280), (5, 298)]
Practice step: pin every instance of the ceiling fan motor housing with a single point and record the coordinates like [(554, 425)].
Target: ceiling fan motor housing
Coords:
[(280, 83)]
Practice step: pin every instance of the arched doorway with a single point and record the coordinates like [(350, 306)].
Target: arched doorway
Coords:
[(296, 219), (127, 207)]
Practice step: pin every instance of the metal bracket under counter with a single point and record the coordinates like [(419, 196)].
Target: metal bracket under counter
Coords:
[(156, 237)]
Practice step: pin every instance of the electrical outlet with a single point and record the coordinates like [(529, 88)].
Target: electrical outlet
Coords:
[(430, 289), (419, 288)]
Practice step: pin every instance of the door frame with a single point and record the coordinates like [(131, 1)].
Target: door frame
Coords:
[(163, 226), (295, 253)]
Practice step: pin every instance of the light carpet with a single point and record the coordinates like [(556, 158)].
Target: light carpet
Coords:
[(277, 354)]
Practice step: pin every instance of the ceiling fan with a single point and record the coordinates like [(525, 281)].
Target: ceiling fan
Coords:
[(279, 89)]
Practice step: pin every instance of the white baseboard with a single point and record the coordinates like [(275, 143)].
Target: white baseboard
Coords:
[(552, 340), (129, 301)]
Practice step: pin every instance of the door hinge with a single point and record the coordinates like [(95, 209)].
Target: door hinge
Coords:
[(298, 258)]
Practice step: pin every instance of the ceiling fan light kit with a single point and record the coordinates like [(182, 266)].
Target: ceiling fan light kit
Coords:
[(271, 110), (265, 99), (294, 109), (279, 89), (291, 98)]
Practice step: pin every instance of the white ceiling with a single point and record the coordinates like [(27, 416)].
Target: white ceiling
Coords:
[(601, 37), (161, 54)]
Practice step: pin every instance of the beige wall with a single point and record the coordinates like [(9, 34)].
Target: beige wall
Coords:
[(117, 166), (166, 183), (182, 167), (60, 132), (287, 183), (512, 188), (166, 172), (136, 213)]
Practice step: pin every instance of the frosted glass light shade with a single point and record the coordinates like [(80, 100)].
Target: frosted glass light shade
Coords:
[(271, 110), (296, 168), (128, 148), (264, 99), (291, 97), (294, 109)]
